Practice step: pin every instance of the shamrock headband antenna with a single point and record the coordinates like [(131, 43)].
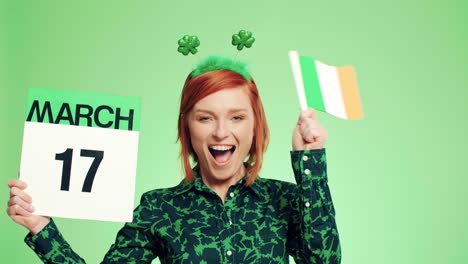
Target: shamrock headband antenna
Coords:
[(188, 44)]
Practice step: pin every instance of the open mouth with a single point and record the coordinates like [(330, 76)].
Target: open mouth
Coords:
[(221, 153)]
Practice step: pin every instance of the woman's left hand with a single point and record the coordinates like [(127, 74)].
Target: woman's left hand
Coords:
[(308, 133)]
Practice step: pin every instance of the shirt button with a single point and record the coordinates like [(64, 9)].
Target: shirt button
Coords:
[(231, 194), (229, 252), (307, 204), (306, 171), (305, 158)]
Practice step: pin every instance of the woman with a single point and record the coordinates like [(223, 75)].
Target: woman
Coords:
[(222, 212)]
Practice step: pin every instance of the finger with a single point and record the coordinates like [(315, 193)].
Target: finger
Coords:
[(18, 201), (307, 120), (17, 183), (305, 128), (17, 210), (315, 145), (316, 129), (311, 135), (14, 191), (309, 113), (311, 125), (10, 211)]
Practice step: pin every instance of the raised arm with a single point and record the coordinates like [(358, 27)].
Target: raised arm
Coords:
[(313, 236)]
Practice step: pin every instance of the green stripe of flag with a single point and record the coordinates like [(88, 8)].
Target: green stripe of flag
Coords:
[(311, 83)]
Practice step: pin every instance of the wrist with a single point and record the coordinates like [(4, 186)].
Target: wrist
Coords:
[(40, 225)]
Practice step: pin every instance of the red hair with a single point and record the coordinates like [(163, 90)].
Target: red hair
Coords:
[(197, 88)]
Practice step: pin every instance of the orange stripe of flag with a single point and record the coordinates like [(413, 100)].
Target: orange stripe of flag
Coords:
[(350, 92)]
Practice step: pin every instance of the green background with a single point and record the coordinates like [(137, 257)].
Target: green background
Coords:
[(397, 177)]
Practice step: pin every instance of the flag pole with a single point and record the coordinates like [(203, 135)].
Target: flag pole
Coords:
[(297, 74)]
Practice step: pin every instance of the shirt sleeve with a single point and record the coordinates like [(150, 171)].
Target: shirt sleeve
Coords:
[(313, 235), (134, 242), (51, 247)]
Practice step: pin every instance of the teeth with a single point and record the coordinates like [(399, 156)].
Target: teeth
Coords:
[(221, 148)]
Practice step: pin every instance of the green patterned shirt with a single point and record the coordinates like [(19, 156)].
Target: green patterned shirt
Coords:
[(263, 223)]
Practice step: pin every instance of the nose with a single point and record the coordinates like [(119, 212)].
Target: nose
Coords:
[(221, 130)]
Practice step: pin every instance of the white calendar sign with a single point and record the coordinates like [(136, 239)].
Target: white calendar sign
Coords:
[(79, 154)]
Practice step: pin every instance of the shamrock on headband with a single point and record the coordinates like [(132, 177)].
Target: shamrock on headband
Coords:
[(243, 38), (188, 44)]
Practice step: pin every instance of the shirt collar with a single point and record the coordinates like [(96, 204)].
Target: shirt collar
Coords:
[(183, 187), (196, 183), (257, 187)]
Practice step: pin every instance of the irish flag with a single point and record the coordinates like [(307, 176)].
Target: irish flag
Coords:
[(326, 88)]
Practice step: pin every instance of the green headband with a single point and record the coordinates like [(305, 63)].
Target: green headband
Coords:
[(214, 63)]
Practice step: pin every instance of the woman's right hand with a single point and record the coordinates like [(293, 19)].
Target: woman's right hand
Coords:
[(20, 208)]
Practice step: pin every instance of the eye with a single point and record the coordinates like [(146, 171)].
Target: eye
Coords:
[(203, 118), (238, 118)]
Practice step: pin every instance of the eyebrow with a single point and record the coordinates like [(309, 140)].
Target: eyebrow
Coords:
[(233, 110)]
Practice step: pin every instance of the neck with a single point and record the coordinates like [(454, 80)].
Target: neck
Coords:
[(221, 187)]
